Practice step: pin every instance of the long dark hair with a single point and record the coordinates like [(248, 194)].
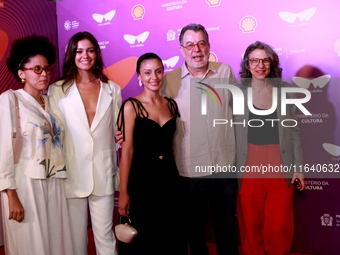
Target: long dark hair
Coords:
[(70, 69), (275, 69)]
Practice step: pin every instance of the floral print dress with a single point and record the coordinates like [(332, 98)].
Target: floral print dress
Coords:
[(38, 179)]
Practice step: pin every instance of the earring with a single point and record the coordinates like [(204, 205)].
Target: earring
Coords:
[(140, 83), (23, 80)]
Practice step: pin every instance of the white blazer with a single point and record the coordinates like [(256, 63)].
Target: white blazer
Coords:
[(90, 152)]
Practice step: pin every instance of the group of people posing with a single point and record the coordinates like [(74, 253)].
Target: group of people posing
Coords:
[(67, 157)]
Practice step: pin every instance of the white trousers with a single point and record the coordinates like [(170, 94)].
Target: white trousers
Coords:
[(101, 211)]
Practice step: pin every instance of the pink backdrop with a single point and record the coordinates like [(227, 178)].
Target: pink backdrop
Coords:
[(304, 33)]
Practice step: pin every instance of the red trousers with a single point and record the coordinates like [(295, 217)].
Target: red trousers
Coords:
[(265, 206)]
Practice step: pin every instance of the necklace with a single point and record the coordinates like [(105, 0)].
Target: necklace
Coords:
[(43, 102), (81, 81)]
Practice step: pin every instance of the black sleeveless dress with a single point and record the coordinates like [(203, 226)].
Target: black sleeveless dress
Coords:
[(154, 186)]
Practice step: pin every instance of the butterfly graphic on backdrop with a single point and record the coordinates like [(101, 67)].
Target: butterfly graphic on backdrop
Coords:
[(290, 17), (332, 149), (171, 62), (317, 82), (107, 17), (131, 39)]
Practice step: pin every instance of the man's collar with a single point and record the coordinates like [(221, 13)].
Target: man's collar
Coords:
[(186, 72)]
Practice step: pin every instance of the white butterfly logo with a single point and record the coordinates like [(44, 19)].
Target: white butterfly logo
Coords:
[(332, 149), (317, 82), (131, 39), (107, 17), (171, 62), (290, 17)]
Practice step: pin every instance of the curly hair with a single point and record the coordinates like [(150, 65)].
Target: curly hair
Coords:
[(23, 49), (70, 68), (193, 27), (275, 69), (147, 56)]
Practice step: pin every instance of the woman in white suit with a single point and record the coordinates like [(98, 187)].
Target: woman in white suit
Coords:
[(88, 104)]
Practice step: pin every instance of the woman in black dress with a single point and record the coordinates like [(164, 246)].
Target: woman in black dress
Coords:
[(150, 188)]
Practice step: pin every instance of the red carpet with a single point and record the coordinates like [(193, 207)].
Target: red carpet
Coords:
[(92, 250)]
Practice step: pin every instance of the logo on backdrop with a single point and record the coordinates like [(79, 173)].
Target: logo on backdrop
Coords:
[(68, 25), (332, 149), (138, 12), (171, 62), (214, 3), (141, 38), (337, 47), (174, 5), (171, 35), (326, 220), (248, 24), (305, 15), (320, 81), (213, 57), (107, 17)]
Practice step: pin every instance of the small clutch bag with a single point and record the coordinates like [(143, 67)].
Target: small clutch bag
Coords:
[(125, 232)]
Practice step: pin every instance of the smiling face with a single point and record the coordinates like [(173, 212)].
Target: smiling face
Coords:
[(198, 56), (35, 82), (151, 74), (261, 70), (85, 55)]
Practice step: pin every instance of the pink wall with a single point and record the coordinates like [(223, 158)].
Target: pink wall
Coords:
[(304, 33), (20, 18)]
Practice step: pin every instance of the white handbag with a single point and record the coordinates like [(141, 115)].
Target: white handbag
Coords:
[(125, 232)]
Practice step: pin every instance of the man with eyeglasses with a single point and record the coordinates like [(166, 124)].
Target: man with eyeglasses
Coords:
[(197, 144)]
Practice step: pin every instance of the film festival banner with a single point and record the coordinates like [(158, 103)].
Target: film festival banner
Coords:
[(304, 34)]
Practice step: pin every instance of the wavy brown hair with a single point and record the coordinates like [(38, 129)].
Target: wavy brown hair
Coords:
[(70, 69), (275, 69)]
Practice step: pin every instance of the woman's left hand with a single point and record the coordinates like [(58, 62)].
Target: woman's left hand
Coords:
[(16, 210), (299, 178)]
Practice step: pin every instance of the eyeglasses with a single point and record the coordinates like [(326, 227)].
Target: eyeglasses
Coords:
[(256, 61), (40, 69), (191, 46)]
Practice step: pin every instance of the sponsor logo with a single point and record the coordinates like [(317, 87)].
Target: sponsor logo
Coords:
[(68, 25), (171, 62), (138, 12), (326, 220), (337, 47), (100, 18), (305, 15), (174, 5), (213, 3), (320, 81), (171, 35), (213, 57), (332, 149), (248, 24), (141, 38)]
